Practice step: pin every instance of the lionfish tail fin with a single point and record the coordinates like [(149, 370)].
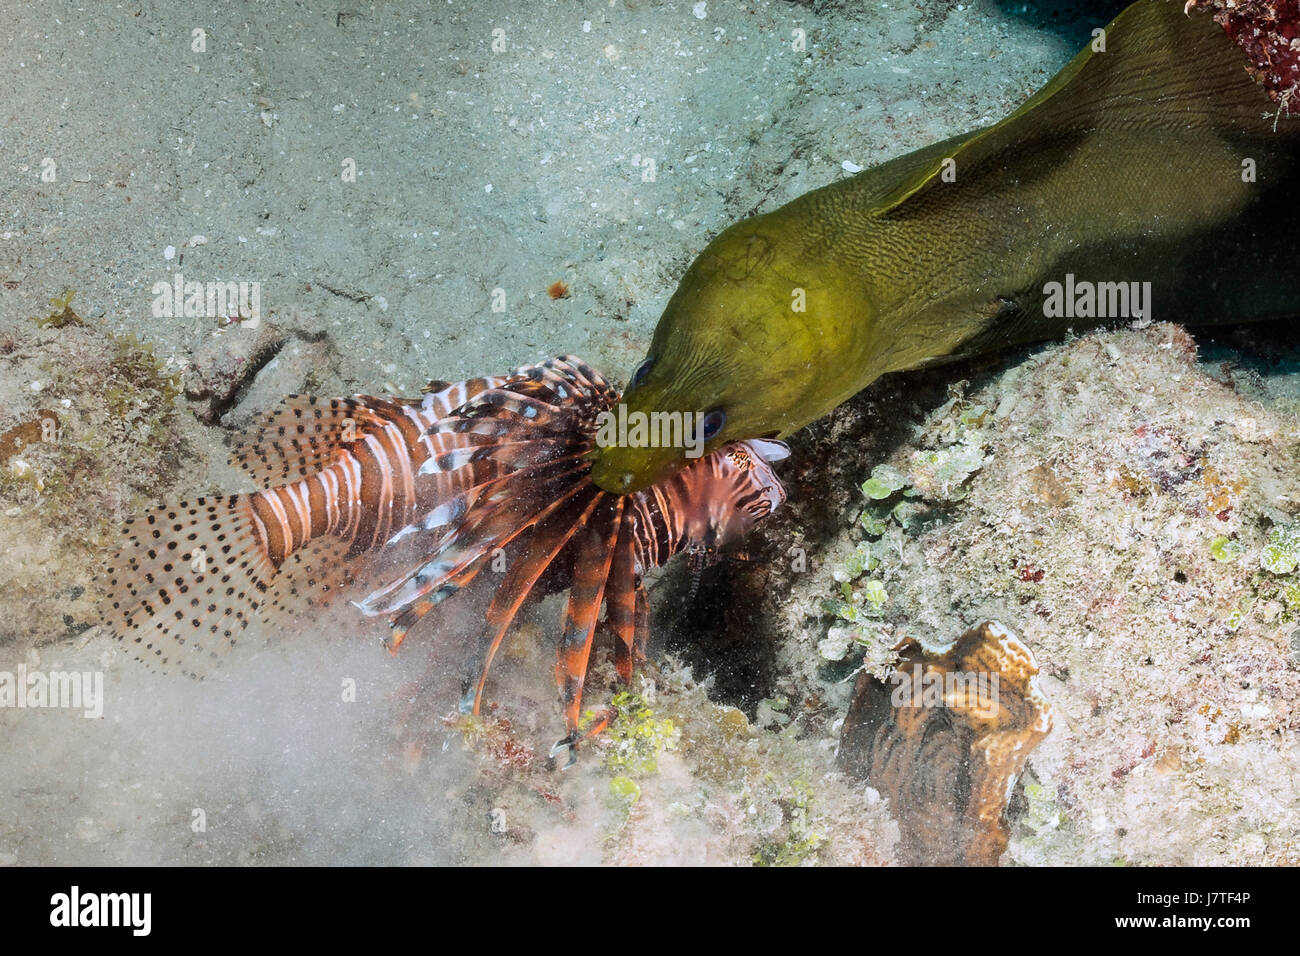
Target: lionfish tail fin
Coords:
[(186, 581)]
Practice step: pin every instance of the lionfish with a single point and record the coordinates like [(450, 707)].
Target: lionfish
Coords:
[(423, 494)]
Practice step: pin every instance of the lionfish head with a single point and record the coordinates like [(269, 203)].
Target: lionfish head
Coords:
[(720, 497)]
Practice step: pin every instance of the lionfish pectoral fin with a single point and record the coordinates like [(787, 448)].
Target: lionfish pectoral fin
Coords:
[(624, 664), (566, 745), (442, 398), (400, 625), (583, 609), (396, 636), (457, 561), (620, 603), (600, 720), (311, 579), (550, 536), (642, 631), (476, 537)]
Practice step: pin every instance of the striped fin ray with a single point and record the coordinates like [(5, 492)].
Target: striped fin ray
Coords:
[(451, 511), (504, 412), (551, 535), (511, 455), (313, 578), (583, 610), (486, 528), (451, 584), (620, 601), (443, 398), (514, 401), (455, 566), (577, 372), (304, 434)]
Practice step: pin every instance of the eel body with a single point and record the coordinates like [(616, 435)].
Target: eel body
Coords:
[(1157, 161)]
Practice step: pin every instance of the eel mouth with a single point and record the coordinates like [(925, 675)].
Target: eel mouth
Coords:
[(621, 470)]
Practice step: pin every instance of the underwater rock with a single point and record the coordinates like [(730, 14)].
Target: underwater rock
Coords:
[(946, 742), (1269, 32), (1134, 519), (226, 363), (40, 428)]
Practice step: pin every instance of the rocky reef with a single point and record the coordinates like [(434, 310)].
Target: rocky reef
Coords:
[(1269, 33), (1129, 511)]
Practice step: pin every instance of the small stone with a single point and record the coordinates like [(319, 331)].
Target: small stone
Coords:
[(733, 723), (835, 646)]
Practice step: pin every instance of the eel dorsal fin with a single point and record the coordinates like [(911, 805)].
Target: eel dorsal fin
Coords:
[(1160, 68)]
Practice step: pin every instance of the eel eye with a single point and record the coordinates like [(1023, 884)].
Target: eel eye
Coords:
[(641, 372), (713, 422)]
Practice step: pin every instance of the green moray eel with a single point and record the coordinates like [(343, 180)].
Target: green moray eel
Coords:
[(1156, 160)]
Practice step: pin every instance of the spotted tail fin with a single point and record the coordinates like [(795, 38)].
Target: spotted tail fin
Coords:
[(186, 581)]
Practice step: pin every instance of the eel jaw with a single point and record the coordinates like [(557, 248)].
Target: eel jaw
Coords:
[(621, 470)]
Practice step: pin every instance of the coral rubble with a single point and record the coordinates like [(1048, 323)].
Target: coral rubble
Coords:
[(945, 740)]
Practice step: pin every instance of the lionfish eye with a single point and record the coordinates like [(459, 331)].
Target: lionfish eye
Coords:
[(641, 372), (713, 422)]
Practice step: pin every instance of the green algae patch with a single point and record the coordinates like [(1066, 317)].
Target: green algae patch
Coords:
[(799, 841), (637, 737), (110, 442), (61, 314)]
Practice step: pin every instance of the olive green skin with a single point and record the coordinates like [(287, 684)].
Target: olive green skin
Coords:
[(1127, 166)]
